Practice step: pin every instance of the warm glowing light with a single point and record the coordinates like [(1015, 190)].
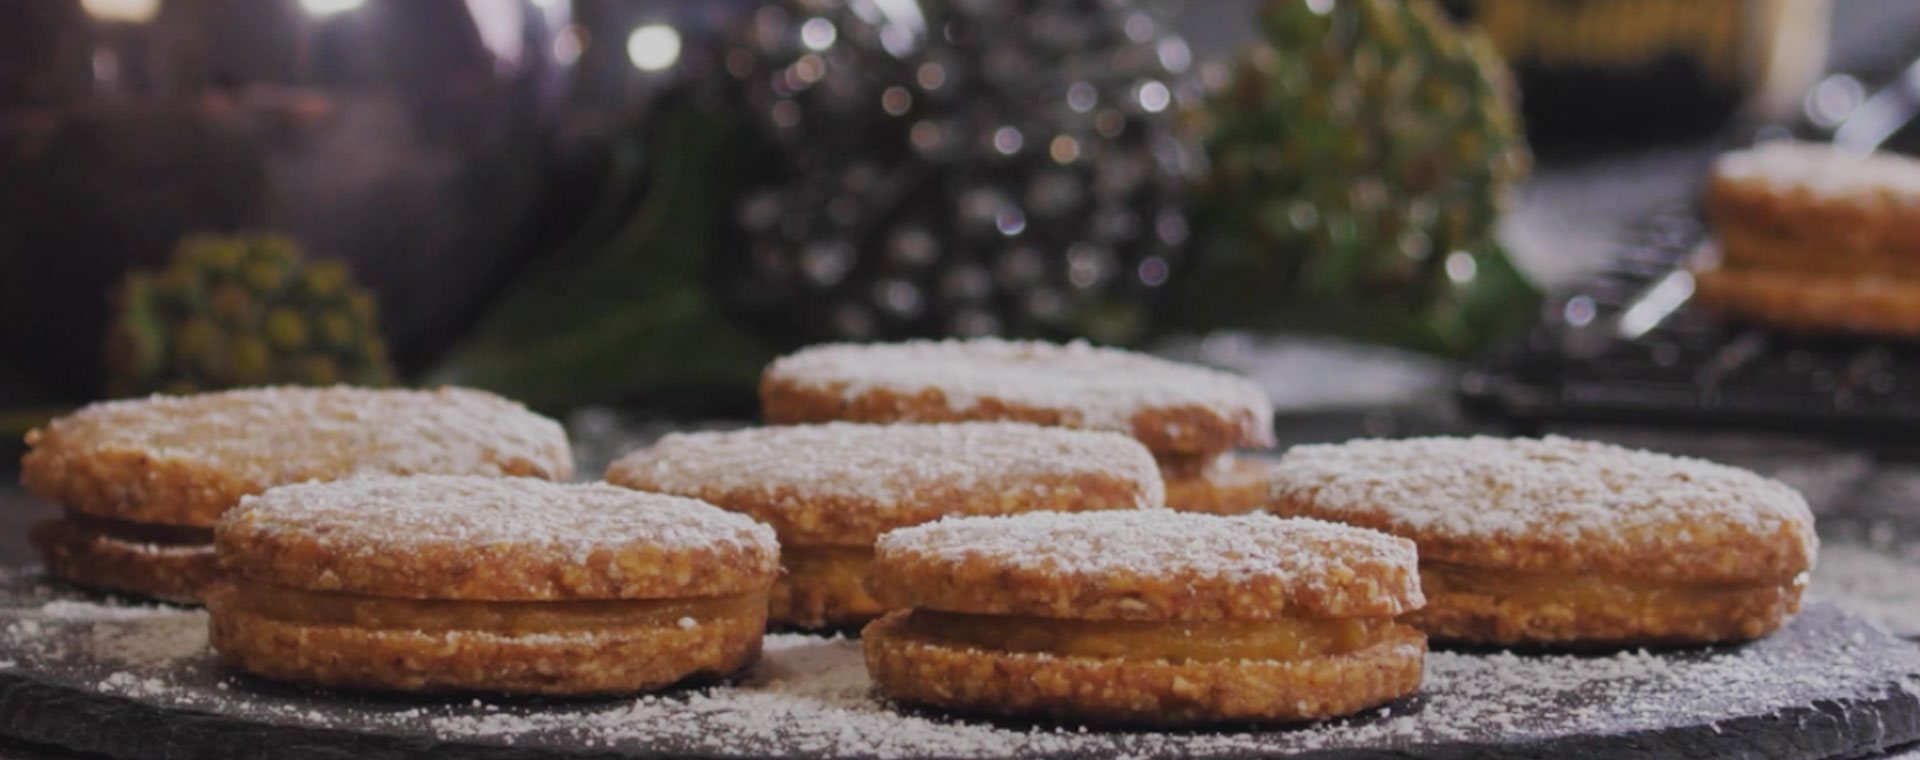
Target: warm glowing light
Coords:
[(330, 7), (128, 11), (653, 47)]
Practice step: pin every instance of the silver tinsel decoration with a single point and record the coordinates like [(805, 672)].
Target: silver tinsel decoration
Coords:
[(961, 167)]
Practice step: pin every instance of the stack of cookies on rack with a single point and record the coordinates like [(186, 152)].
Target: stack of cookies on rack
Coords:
[(1812, 237)]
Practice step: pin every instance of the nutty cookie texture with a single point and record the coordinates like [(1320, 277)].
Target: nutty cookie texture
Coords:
[(463, 583), (1562, 542), (1145, 617), (830, 490)]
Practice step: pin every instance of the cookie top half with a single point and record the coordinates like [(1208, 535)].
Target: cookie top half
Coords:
[(185, 459), (1146, 565), (1556, 505), (844, 484), (493, 539), (1174, 409), (1818, 173)]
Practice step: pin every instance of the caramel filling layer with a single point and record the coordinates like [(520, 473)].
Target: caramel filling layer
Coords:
[(1567, 589), (841, 564), (142, 533), (1285, 639), (517, 618)]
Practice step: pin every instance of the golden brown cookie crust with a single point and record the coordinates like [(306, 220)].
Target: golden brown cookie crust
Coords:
[(589, 662), (1686, 616), (87, 557), (183, 460), (1146, 565), (1233, 487), (1119, 690), (1811, 301), (842, 484), (493, 539), (1173, 409), (1556, 505), (823, 588)]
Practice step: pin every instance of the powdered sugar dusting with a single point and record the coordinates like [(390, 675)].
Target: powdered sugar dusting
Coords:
[(386, 517), (1488, 487), (1297, 552), (1822, 170), (886, 467), (1883, 589), (270, 436), (1099, 388)]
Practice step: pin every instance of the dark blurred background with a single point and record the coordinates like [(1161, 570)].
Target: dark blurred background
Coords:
[(636, 202)]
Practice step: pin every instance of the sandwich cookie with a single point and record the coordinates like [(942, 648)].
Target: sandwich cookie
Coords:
[(142, 481), (507, 585), (830, 490), (1562, 542), (1816, 238), (1146, 617), (1188, 416)]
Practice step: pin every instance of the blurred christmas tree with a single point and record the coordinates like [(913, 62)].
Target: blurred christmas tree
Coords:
[(958, 167), (1360, 154), (850, 169)]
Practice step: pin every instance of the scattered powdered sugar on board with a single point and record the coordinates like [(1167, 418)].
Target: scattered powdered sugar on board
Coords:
[(1095, 387), (810, 696), (882, 466), (1881, 589)]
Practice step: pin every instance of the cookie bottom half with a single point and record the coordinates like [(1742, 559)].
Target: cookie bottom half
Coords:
[(823, 587), (915, 662), (549, 648), (170, 563), (1471, 605), (1813, 301)]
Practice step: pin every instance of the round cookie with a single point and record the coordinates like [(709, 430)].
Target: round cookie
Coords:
[(830, 490), (1564, 542), (1228, 485), (1145, 617), (512, 585), (1175, 410), (143, 479)]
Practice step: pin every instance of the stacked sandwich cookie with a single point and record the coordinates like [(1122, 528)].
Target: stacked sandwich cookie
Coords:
[(509, 585), (830, 490), (1568, 543), (1146, 616), (1812, 237), (1190, 417), (142, 481)]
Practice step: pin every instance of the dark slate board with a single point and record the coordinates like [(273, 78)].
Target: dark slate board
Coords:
[(126, 680)]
